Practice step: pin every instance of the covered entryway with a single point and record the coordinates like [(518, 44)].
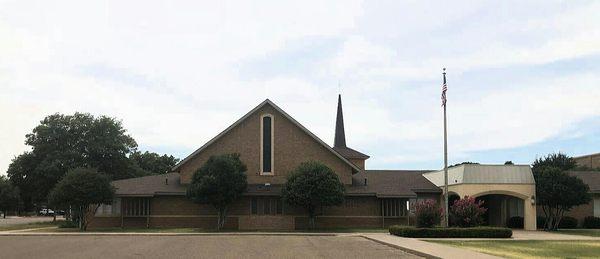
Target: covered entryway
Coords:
[(500, 208), (507, 190)]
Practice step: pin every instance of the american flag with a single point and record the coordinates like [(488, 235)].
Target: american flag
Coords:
[(444, 89)]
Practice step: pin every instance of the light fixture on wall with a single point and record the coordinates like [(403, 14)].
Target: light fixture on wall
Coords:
[(532, 200)]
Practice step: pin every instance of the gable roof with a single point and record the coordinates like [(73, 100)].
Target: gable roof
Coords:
[(265, 102), (391, 183)]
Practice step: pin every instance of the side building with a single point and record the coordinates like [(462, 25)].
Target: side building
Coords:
[(591, 176)]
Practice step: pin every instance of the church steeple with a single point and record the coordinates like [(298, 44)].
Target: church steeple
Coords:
[(340, 135)]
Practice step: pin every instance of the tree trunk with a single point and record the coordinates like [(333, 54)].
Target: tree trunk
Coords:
[(311, 218), (219, 218), (222, 215)]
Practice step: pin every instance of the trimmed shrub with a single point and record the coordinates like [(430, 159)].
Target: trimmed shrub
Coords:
[(428, 213), (540, 222), (568, 222), (515, 222), (591, 222), (467, 212), (476, 232)]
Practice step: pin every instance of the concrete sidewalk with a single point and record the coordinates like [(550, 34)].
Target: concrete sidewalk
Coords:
[(424, 248)]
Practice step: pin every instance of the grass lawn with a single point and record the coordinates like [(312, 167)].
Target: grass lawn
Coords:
[(198, 230), (581, 232), (531, 248), (29, 225)]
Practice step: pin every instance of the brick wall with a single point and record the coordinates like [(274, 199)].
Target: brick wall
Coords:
[(178, 211), (105, 222), (578, 212), (360, 163), (590, 161), (291, 145)]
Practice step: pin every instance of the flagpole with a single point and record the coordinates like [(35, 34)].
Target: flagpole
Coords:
[(445, 160)]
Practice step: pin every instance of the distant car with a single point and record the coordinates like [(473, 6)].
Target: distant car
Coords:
[(47, 212)]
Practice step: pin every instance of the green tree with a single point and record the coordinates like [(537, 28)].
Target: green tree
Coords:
[(9, 195), (464, 163), (21, 174), (83, 190), (219, 182), (63, 142), (313, 185), (557, 192), (153, 163), (509, 162), (558, 160)]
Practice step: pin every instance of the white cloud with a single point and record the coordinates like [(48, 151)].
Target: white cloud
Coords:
[(170, 70)]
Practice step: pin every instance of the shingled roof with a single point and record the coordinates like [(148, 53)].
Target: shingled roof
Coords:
[(380, 183), (350, 153), (591, 178), (169, 184), (391, 183), (164, 184)]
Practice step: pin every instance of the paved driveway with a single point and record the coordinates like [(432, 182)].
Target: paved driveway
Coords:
[(195, 247)]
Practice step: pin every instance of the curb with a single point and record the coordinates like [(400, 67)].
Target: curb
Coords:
[(410, 251)]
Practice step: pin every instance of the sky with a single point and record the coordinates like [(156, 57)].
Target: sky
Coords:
[(523, 76)]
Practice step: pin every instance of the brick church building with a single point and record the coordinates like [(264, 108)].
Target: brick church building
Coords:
[(272, 143)]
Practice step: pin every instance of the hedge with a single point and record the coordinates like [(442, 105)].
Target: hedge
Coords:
[(515, 222), (475, 232), (540, 222), (591, 222), (567, 222)]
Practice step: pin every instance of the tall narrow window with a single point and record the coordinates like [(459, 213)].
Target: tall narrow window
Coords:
[(267, 144)]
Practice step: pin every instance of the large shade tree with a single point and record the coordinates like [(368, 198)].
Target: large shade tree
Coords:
[(83, 190), (311, 186), (153, 163), (63, 142), (219, 182), (9, 196)]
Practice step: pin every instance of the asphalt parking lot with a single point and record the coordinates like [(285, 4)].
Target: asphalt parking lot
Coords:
[(195, 247)]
